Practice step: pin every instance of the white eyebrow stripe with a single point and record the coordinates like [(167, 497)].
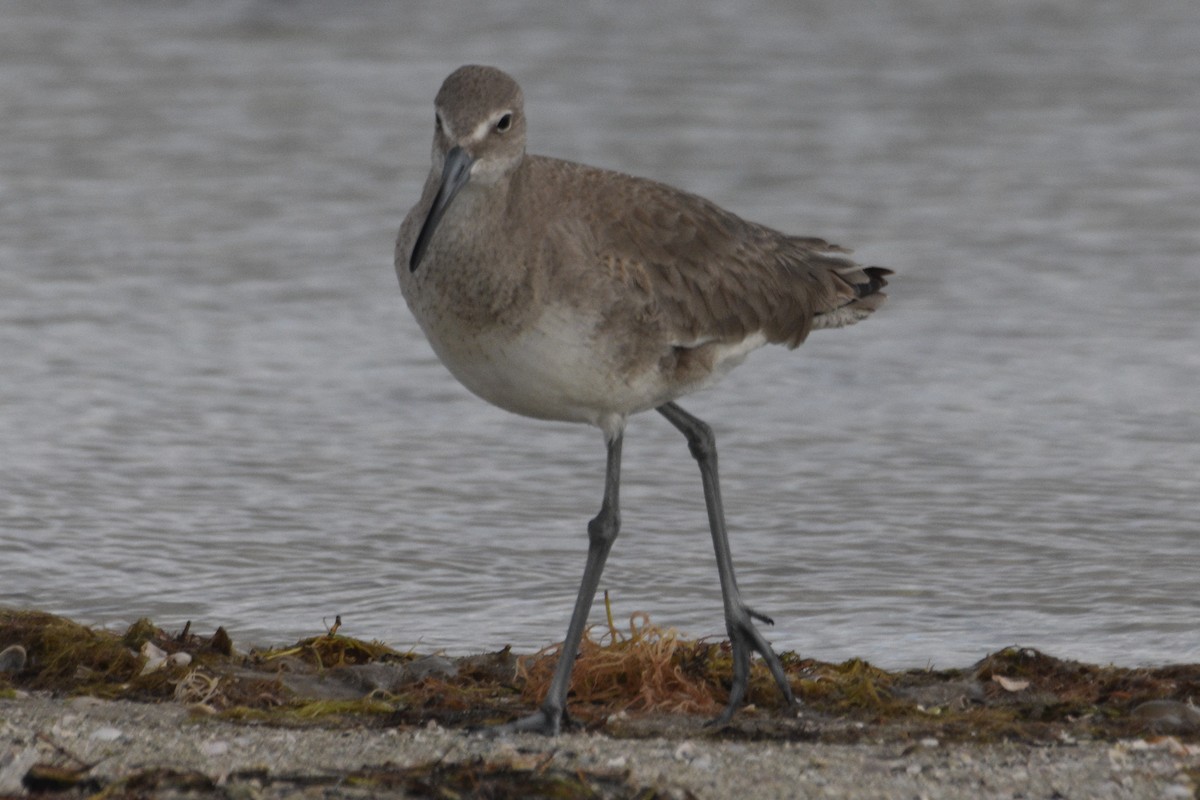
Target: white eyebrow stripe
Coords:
[(481, 130)]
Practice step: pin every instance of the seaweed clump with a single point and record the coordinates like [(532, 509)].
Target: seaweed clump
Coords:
[(650, 669), (643, 680), (655, 670), (64, 656)]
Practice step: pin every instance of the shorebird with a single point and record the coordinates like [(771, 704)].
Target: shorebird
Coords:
[(565, 292)]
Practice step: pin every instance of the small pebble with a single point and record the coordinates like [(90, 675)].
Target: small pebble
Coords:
[(155, 657), (686, 751), (216, 747), (106, 734)]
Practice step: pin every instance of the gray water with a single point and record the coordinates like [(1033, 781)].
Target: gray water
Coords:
[(215, 407)]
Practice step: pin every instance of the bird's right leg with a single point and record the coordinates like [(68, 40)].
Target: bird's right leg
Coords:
[(739, 618), (602, 532)]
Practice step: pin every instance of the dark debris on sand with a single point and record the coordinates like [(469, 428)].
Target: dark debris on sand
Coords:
[(647, 682)]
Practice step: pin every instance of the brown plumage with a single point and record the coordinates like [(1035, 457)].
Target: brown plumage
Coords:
[(710, 273), (562, 291)]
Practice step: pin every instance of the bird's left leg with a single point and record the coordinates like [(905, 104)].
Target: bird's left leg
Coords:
[(739, 623)]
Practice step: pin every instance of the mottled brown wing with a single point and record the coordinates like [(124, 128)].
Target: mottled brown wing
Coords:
[(715, 276)]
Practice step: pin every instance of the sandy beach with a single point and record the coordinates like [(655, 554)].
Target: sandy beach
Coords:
[(149, 713), (165, 750)]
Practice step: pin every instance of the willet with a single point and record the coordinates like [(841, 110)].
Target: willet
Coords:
[(565, 292)]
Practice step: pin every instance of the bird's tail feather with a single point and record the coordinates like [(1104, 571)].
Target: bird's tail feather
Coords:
[(862, 296)]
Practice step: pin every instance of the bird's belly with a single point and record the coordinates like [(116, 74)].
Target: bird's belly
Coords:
[(554, 368)]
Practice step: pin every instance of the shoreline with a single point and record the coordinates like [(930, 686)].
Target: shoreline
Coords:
[(151, 713)]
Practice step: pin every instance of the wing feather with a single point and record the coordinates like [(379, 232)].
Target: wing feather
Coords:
[(709, 275)]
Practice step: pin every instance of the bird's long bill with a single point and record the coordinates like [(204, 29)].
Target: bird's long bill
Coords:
[(455, 173)]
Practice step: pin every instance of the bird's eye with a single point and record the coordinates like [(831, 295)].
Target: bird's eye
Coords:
[(504, 123), (437, 122)]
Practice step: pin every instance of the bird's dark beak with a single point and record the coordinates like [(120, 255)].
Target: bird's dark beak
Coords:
[(455, 173)]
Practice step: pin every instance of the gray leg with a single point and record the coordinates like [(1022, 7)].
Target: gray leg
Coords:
[(742, 633), (602, 532)]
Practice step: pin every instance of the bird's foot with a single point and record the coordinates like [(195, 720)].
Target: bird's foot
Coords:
[(746, 640), (547, 722)]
